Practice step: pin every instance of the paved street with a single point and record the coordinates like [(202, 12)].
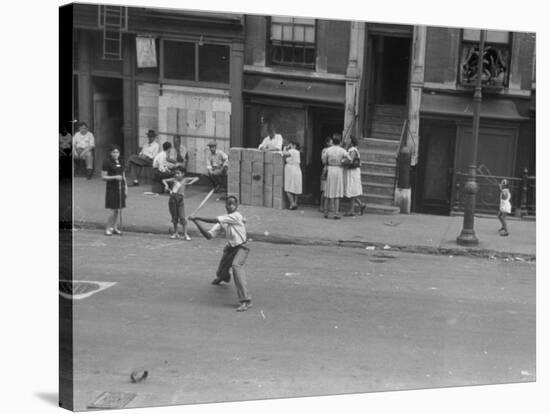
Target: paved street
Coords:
[(326, 320)]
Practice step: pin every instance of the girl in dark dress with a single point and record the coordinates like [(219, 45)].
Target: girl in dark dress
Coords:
[(116, 189)]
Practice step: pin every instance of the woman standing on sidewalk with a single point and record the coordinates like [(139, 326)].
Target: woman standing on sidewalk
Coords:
[(353, 187), (293, 175), (116, 189), (334, 189)]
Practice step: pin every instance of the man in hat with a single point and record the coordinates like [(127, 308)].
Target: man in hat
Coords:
[(216, 166), (145, 157)]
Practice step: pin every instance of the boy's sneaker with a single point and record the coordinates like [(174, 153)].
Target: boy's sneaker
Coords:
[(175, 236), (244, 306), (504, 233), (186, 237)]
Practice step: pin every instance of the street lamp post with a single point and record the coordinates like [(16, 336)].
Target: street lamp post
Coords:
[(467, 236)]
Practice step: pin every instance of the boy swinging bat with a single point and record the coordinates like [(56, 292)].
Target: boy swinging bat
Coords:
[(234, 253)]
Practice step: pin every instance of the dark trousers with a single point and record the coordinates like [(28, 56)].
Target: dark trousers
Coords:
[(177, 209), (218, 177), (234, 258), (138, 163)]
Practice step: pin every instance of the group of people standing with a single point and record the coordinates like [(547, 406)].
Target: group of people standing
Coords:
[(341, 177)]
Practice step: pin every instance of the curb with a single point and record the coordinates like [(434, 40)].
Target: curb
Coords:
[(304, 241)]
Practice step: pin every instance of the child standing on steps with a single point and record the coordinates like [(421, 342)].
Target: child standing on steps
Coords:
[(175, 202), (505, 206)]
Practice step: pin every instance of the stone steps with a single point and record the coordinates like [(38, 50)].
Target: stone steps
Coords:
[(378, 188), (387, 157), (377, 166), (378, 199), (373, 208), (379, 144), (378, 178)]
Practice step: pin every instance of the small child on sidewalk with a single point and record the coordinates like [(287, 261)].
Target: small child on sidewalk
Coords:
[(234, 253), (505, 206), (175, 202)]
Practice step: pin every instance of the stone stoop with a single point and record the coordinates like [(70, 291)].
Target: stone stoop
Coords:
[(378, 159)]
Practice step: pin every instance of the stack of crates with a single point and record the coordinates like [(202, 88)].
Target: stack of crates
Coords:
[(256, 177)]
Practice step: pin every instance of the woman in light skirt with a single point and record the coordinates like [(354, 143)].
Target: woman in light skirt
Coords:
[(293, 175), (334, 189), (353, 187)]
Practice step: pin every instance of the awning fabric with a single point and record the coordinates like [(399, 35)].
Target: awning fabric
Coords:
[(295, 89), (462, 106)]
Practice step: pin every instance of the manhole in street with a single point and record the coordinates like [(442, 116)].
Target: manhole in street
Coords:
[(80, 289), (112, 400), (378, 260)]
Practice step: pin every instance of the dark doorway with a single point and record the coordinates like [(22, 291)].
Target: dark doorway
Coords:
[(108, 117), (391, 72), (435, 168), (324, 122)]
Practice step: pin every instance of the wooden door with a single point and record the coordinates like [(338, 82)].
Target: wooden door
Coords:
[(436, 169), (107, 128)]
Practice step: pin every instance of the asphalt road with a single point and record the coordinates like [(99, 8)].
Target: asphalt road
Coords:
[(325, 320)]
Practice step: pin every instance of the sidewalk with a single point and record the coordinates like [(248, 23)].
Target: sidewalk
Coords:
[(414, 232)]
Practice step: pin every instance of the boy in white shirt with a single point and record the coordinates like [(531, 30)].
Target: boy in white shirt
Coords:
[(235, 252)]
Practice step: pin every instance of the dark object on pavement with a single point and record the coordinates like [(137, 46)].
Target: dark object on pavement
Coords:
[(138, 376)]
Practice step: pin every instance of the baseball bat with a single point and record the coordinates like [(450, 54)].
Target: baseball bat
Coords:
[(202, 202)]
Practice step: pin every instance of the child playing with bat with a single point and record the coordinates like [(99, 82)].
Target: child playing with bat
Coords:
[(175, 202), (235, 252), (505, 206)]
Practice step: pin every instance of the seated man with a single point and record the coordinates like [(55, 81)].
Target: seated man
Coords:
[(178, 154), (162, 168), (273, 141), (83, 144), (145, 157), (217, 164)]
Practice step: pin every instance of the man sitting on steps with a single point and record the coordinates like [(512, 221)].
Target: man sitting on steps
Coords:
[(145, 157)]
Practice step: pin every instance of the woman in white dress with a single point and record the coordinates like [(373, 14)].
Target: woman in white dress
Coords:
[(293, 175), (353, 187), (334, 188)]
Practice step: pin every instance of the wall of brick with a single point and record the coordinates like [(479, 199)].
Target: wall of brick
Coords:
[(441, 55), (335, 36), (255, 40)]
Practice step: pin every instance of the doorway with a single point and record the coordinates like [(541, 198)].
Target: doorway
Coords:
[(324, 122), (108, 118), (436, 167)]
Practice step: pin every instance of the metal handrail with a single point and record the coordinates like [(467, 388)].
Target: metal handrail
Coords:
[(405, 122)]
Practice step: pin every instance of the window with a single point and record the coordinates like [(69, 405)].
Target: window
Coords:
[(195, 61), (179, 60), (496, 58), (214, 63), (293, 42)]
